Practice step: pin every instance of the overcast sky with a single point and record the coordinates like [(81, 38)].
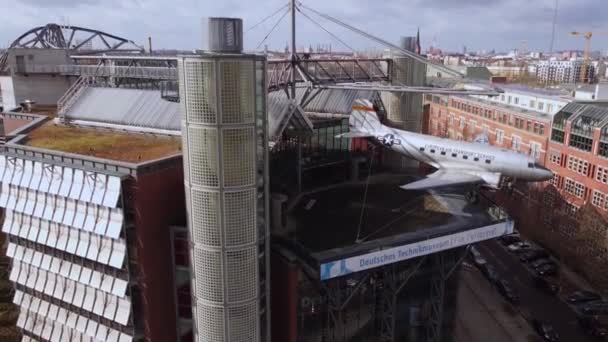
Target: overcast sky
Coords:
[(452, 24)]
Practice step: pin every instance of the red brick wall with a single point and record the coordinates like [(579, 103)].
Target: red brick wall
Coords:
[(471, 110), (159, 202), (284, 287)]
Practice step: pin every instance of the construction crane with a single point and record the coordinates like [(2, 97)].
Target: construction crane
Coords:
[(587, 51)]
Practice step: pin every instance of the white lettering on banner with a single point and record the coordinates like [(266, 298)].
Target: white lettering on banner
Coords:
[(343, 267)]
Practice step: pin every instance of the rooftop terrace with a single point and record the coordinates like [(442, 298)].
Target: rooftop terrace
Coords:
[(101, 143)]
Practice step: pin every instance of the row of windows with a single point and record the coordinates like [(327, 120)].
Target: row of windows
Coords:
[(578, 165), (575, 188), (579, 142), (455, 155), (520, 123), (599, 200), (581, 166), (532, 104)]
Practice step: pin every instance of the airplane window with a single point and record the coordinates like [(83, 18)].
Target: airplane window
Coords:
[(422, 149), (476, 159), (465, 157), (453, 154), (432, 151), (487, 161), (443, 153)]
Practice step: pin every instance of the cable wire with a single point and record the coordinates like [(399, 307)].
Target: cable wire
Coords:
[(267, 18), (383, 42), (364, 203), (324, 29), (272, 29)]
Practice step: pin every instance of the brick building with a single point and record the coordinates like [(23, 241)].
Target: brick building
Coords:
[(90, 223), (568, 215), (465, 118)]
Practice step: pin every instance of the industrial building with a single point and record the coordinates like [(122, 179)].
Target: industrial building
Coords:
[(205, 197)]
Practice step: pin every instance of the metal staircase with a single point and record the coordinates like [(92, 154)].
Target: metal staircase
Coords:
[(71, 96)]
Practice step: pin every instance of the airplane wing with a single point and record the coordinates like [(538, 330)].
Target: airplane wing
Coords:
[(442, 178), (354, 135)]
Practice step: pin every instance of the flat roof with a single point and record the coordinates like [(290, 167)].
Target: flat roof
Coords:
[(329, 224), (103, 143), (518, 110)]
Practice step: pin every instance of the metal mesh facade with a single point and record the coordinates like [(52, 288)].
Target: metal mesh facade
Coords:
[(224, 121)]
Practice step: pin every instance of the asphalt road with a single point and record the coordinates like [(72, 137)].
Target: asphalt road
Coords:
[(534, 302)]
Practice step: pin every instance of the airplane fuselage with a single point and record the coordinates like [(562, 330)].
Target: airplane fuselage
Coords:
[(454, 155)]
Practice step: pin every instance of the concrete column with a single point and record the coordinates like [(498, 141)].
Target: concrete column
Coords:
[(404, 110)]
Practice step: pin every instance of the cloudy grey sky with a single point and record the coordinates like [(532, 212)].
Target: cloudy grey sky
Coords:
[(478, 24)]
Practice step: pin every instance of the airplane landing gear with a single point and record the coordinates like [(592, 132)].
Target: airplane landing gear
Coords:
[(472, 196)]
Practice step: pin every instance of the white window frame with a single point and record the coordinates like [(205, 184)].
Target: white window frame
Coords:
[(514, 146), (500, 136), (598, 198), (535, 149)]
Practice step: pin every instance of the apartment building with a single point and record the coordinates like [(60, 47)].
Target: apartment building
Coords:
[(563, 71)]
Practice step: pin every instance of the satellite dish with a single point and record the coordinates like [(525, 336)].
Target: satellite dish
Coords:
[(482, 139)]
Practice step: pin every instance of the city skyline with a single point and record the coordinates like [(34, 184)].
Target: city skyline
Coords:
[(177, 24)]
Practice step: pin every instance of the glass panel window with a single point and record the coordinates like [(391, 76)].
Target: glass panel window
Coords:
[(580, 142), (500, 134), (603, 149), (569, 186), (578, 165), (598, 199), (601, 175), (557, 136), (535, 149), (516, 143), (555, 157), (579, 190)]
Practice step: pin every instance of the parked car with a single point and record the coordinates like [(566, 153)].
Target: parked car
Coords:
[(507, 291), (490, 272), (533, 255), (545, 330), (592, 326), (519, 246), (541, 262), (599, 307), (582, 296), (478, 259), (547, 270), (549, 285), (510, 239)]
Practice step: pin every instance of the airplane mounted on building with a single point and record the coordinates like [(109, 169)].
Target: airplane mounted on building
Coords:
[(457, 162)]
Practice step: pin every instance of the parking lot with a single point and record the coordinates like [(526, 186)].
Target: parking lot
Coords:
[(530, 295)]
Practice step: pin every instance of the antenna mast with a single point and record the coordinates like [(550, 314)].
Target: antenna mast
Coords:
[(554, 23), (294, 56)]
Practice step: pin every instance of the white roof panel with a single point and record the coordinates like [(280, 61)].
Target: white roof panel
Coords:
[(130, 107)]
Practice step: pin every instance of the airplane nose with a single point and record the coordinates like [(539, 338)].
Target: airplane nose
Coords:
[(547, 175)]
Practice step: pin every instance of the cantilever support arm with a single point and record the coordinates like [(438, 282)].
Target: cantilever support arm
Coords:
[(409, 89)]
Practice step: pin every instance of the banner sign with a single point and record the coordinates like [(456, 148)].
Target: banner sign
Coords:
[(338, 268)]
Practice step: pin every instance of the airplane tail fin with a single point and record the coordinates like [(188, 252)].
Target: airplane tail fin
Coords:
[(364, 119)]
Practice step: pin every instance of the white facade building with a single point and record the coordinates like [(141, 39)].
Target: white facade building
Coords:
[(562, 71), (530, 99)]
